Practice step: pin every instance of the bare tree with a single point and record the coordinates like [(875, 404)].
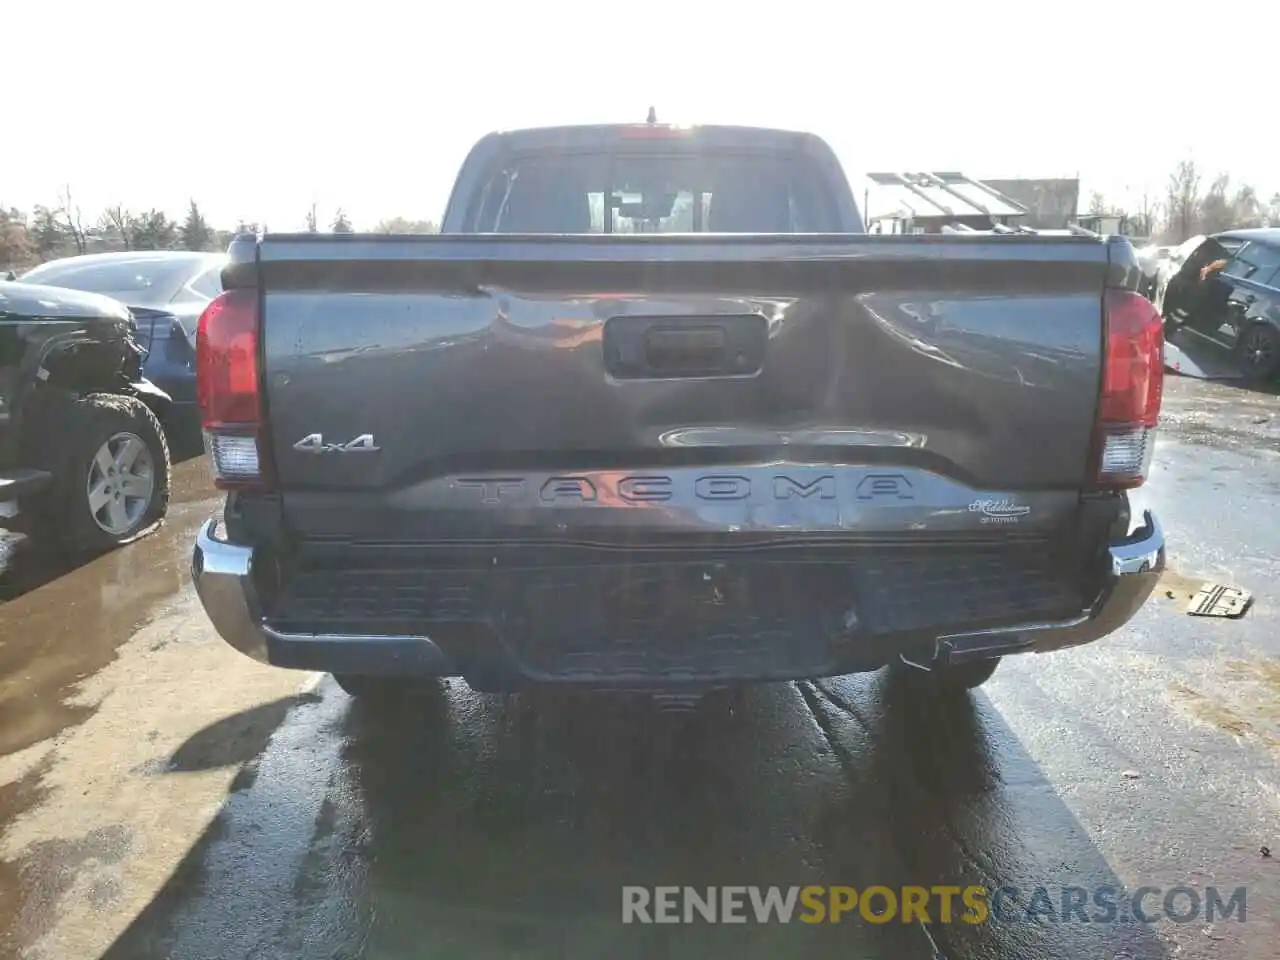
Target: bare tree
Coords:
[(16, 246), (1098, 205), (1183, 199), (116, 219), (1247, 208), (1215, 211), (340, 222), (311, 220), (1144, 220), (72, 220), (47, 232)]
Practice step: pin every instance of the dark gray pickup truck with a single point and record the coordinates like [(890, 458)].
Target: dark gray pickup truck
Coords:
[(655, 414)]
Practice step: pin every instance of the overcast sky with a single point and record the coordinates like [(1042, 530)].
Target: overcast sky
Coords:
[(259, 110)]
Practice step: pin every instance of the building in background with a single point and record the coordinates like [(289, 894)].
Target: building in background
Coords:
[(1105, 223), (1051, 204), (932, 202)]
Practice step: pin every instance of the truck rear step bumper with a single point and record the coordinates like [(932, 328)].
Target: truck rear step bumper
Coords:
[(1136, 565), (224, 577)]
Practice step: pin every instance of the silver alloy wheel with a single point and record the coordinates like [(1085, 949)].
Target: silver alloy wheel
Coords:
[(122, 479)]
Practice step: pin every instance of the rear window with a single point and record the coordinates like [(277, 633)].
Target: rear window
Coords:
[(208, 285), (142, 282), (654, 193)]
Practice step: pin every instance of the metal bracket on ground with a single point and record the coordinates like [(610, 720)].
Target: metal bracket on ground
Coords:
[(1220, 600)]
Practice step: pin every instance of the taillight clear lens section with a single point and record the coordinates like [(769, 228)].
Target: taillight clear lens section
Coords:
[(1125, 454), (234, 458), (1132, 388), (228, 388)]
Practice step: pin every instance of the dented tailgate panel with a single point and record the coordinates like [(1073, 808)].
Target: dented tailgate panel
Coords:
[(421, 387)]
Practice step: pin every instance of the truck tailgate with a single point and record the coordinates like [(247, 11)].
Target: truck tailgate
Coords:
[(480, 386)]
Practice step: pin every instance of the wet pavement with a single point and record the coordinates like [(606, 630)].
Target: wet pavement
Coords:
[(161, 796)]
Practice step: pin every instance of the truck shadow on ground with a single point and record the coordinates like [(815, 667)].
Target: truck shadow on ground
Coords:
[(237, 739), (485, 826)]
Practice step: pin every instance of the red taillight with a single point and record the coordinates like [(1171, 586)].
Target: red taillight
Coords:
[(1132, 386), (228, 388), (227, 360)]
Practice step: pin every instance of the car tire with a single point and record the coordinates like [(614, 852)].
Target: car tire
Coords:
[(948, 680), (111, 473), (1259, 352)]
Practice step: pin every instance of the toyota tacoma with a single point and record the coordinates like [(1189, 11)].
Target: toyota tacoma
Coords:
[(655, 414)]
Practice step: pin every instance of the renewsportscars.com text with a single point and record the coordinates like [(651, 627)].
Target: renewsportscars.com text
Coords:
[(935, 904)]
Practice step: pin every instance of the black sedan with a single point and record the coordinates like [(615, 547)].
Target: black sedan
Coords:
[(1227, 291), (165, 290)]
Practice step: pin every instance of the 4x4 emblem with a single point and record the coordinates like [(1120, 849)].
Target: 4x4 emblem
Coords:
[(314, 443)]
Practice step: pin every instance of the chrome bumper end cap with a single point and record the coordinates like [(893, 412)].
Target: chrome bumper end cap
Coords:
[(223, 576)]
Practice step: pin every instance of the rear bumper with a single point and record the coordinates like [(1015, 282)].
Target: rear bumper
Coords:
[(224, 578), (1136, 565)]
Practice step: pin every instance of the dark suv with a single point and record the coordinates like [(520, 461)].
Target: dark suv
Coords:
[(1227, 290), (84, 462)]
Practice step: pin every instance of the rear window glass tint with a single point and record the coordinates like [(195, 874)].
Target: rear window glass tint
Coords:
[(654, 193)]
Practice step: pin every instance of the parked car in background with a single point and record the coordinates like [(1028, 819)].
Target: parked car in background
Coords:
[(1227, 290), (165, 290), (83, 458)]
